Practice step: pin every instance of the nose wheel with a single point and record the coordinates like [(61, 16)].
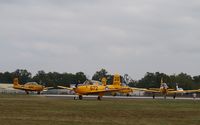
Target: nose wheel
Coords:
[(80, 97), (153, 95), (27, 92)]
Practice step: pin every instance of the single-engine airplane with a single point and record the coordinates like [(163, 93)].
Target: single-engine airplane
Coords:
[(165, 90), (124, 88), (95, 87), (30, 86), (100, 88)]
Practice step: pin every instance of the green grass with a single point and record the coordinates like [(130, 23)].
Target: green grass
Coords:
[(32, 110)]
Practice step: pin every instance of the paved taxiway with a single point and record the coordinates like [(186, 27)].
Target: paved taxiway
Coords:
[(114, 97)]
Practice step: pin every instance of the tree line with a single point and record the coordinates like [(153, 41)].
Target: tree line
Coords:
[(41, 77), (150, 80)]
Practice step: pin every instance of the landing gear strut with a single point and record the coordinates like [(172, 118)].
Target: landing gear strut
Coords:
[(165, 96), (153, 96), (174, 96), (27, 92), (99, 98), (80, 97)]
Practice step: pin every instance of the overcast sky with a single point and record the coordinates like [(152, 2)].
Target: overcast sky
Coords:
[(124, 36)]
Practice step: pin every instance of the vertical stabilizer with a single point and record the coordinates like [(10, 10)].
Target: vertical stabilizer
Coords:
[(15, 82), (104, 81), (116, 80), (177, 88), (161, 81)]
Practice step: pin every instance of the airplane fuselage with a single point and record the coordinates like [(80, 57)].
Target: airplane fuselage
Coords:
[(37, 88), (93, 89)]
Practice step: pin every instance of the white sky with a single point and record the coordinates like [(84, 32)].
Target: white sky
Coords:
[(124, 36)]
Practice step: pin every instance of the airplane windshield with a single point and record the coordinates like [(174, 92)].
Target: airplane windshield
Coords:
[(164, 85), (92, 82)]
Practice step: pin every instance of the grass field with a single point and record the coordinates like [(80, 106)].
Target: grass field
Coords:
[(32, 110)]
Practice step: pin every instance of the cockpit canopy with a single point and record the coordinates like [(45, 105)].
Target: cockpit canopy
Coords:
[(92, 82), (31, 83), (164, 85)]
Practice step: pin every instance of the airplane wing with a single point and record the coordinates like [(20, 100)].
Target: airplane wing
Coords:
[(138, 89), (153, 91), (48, 88), (184, 91), (104, 91), (63, 87), (191, 91)]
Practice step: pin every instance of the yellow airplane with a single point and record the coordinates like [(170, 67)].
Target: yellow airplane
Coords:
[(95, 87), (30, 86), (165, 90), (124, 89)]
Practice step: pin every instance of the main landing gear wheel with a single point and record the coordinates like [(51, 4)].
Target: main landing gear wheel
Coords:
[(153, 96), (80, 97), (174, 96), (99, 98)]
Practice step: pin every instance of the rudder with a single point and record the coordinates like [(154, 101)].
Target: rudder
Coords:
[(15, 82), (116, 80), (104, 81)]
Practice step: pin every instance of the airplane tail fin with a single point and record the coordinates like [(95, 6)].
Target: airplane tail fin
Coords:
[(15, 82), (116, 80), (104, 81), (161, 80), (177, 88)]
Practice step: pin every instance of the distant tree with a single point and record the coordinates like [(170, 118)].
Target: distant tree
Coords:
[(133, 83), (153, 80), (184, 81), (150, 80), (80, 77), (23, 75), (6, 77), (196, 82), (196, 79), (41, 78), (100, 74)]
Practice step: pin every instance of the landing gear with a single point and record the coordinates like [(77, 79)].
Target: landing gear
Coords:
[(80, 97), (99, 98), (114, 94), (165, 96), (174, 96), (38, 92), (153, 96)]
